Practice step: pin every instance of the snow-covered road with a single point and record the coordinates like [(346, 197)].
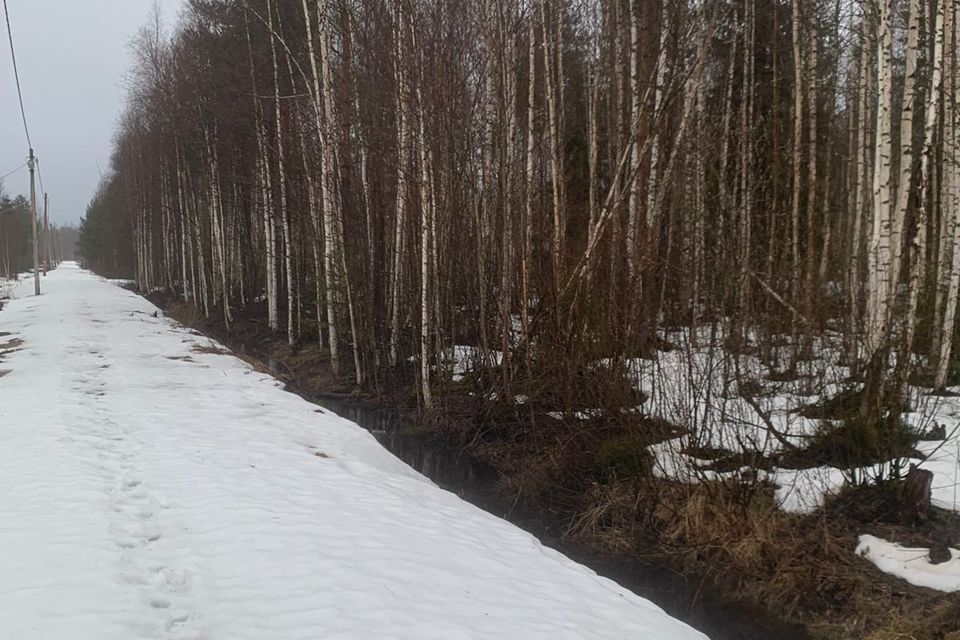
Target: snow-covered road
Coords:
[(151, 490)]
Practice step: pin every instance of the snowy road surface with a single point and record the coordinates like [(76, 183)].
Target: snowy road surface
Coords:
[(148, 490)]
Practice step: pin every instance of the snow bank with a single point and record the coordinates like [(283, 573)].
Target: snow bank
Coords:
[(912, 565), (156, 487)]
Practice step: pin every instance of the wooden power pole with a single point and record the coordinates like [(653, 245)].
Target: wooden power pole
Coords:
[(33, 224), (46, 234)]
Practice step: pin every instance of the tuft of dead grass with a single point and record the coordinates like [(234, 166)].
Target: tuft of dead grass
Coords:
[(209, 349), (610, 519), (10, 345)]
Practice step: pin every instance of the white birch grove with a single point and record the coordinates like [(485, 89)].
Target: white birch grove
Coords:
[(548, 183)]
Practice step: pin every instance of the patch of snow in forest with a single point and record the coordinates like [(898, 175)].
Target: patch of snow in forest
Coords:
[(727, 402), (698, 389), (912, 564), (463, 359), (943, 459)]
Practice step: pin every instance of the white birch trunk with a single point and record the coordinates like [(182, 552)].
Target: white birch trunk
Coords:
[(396, 275), (879, 256), (950, 194), (798, 66), (899, 213), (333, 243), (918, 253), (633, 206)]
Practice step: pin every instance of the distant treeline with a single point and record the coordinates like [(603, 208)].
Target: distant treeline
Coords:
[(16, 239)]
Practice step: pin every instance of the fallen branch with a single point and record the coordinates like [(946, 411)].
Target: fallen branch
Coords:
[(776, 296), (781, 437)]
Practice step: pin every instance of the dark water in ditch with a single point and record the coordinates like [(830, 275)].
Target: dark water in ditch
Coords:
[(478, 484)]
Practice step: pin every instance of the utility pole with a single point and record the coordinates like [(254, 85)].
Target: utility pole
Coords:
[(33, 224), (46, 234), (52, 249)]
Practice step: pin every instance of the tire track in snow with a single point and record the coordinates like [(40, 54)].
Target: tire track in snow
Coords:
[(164, 592)]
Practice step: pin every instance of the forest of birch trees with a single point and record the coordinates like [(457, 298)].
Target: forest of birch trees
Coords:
[(556, 181)]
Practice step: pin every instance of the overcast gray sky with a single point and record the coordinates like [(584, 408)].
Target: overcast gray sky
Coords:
[(72, 55)]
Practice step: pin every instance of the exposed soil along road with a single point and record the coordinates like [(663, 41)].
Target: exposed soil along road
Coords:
[(719, 618)]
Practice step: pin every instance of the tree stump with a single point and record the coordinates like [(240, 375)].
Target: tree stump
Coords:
[(939, 553), (915, 501), (938, 432)]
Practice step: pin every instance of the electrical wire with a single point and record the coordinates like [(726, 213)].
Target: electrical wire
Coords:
[(16, 74), (19, 205), (7, 175), (23, 111)]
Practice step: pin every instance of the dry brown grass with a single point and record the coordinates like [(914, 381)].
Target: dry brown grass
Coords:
[(611, 519), (937, 621), (185, 313), (209, 349), (802, 567)]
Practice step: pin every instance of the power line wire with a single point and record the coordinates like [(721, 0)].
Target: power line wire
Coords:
[(7, 175), (23, 111), (16, 74), (19, 205)]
